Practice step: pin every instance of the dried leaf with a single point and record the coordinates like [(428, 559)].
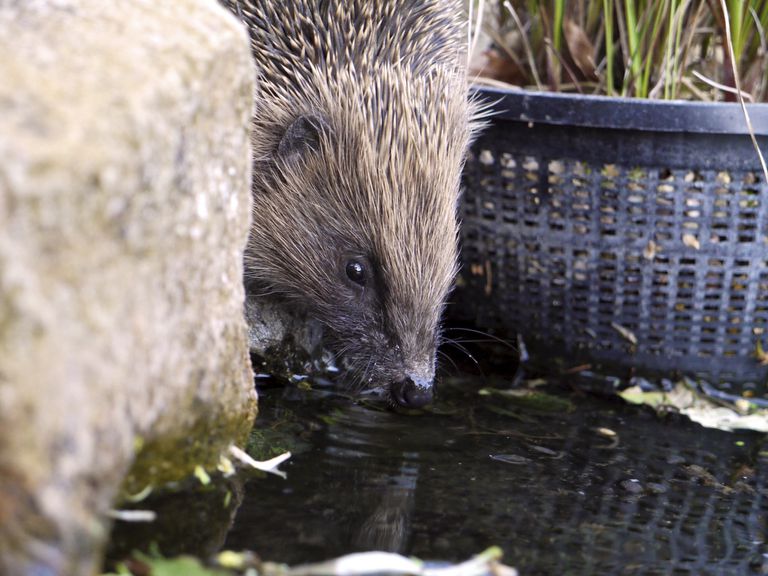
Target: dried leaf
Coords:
[(650, 251), (691, 241), (699, 408), (530, 399), (761, 355), (364, 563), (627, 334), (497, 65), (580, 47)]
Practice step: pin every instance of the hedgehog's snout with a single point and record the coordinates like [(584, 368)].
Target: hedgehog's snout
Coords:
[(412, 392)]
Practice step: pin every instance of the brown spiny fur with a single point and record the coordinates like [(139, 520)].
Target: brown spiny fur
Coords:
[(384, 84)]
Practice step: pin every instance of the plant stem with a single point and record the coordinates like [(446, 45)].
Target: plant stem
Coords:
[(736, 15), (632, 40), (669, 52), (729, 43), (557, 29), (608, 10), (526, 44), (651, 49)]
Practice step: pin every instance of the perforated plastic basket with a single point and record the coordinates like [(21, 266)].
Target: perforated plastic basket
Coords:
[(630, 234)]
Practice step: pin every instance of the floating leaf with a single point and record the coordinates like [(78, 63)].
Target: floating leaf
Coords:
[(510, 459), (530, 399), (202, 475), (701, 408), (181, 566), (366, 563), (636, 395), (231, 560)]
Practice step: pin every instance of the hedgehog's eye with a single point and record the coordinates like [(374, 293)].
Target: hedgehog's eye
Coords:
[(356, 272)]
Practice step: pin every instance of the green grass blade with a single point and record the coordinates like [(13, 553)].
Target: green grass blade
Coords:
[(608, 11), (658, 9), (557, 29), (633, 40)]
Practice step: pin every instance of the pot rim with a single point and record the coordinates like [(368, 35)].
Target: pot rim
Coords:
[(637, 114)]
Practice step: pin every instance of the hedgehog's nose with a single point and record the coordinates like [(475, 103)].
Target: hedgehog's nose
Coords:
[(412, 392)]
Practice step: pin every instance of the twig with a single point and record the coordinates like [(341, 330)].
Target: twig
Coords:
[(718, 86), (133, 515), (469, 32), (703, 96), (265, 466), (759, 28), (485, 81), (762, 51), (526, 45), (478, 24), (738, 90), (563, 65), (503, 45)]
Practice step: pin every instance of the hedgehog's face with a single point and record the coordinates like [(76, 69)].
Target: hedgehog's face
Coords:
[(368, 251)]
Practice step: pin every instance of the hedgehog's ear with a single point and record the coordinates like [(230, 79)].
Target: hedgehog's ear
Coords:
[(301, 137)]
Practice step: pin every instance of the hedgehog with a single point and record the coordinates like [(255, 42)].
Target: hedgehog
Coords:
[(360, 130)]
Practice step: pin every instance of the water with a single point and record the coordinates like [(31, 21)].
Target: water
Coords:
[(577, 486), (571, 485)]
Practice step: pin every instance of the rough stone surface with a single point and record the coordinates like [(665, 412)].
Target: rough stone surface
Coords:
[(286, 341), (124, 208)]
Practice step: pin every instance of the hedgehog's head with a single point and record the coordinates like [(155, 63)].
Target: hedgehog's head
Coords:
[(355, 219)]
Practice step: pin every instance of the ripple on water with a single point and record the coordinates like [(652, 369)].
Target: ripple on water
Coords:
[(590, 490)]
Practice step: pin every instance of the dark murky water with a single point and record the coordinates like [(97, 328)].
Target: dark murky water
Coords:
[(573, 485), (551, 485)]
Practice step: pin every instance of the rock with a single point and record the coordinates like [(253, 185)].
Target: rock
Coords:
[(285, 341), (124, 209)]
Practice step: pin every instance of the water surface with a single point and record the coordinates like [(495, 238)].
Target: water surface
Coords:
[(574, 485)]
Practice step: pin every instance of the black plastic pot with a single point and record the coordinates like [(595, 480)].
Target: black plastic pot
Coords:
[(625, 233)]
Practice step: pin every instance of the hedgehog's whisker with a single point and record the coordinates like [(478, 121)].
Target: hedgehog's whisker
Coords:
[(490, 337), (461, 348), (447, 357), (367, 368)]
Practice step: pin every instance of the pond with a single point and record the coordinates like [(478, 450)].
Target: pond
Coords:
[(563, 482)]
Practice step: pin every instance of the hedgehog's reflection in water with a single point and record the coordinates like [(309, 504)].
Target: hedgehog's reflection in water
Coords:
[(389, 501)]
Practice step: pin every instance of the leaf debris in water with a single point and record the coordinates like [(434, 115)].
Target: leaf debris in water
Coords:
[(140, 495), (181, 566), (359, 564), (133, 515), (368, 563), (699, 408), (202, 475), (530, 399), (510, 458), (225, 466), (625, 333)]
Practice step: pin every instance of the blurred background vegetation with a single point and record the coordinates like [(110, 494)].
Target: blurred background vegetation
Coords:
[(670, 49)]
